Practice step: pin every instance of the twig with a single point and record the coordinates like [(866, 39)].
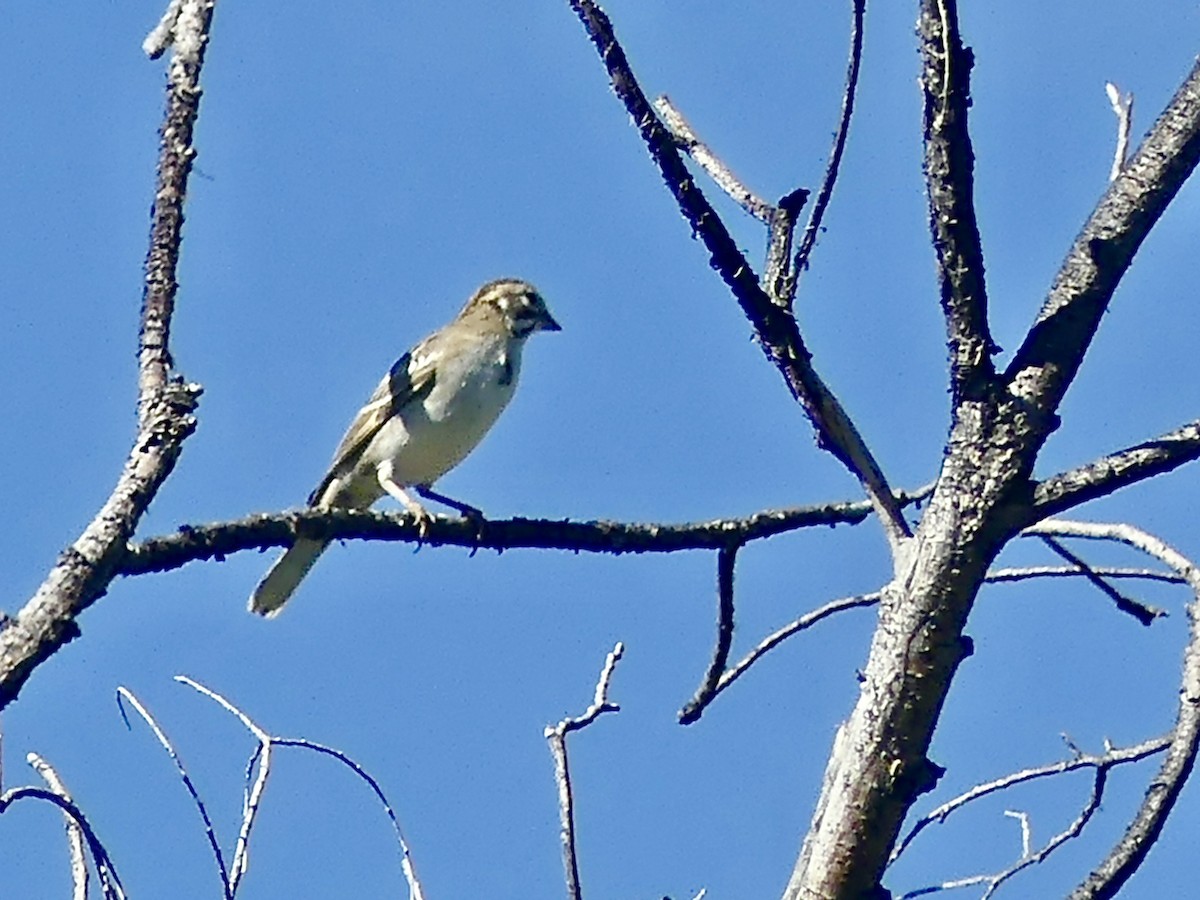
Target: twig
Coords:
[(1140, 611), (813, 228), (1026, 835), (1122, 107), (241, 853), (125, 695), (216, 541), (79, 868), (1071, 831), (1022, 573), (776, 329), (722, 176), (406, 860), (110, 882), (556, 736), (1111, 758), (165, 404), (726, 560), (696, 707)]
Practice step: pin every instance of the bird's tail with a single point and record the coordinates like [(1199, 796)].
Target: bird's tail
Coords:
[(284, 577)]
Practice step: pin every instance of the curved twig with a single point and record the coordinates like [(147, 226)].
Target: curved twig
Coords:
[(726, 560), (110, 882), (809, 239)]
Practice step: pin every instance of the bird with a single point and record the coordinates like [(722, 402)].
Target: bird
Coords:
[(431, 409)]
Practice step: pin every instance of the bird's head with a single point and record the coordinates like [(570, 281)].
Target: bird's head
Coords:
[(518, 304)]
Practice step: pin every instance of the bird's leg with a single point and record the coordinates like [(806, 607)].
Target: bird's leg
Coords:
[(418, 512), (465, 510)]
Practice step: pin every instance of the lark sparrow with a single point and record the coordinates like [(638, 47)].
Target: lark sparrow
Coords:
[(431, 409)]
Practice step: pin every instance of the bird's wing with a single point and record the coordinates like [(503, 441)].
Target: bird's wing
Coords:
[(411, 378)]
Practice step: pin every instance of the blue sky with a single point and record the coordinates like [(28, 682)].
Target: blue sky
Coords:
[(362, 168)]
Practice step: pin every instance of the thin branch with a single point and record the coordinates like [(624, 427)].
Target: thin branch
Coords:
[(779, 278), (1143, 831), (222, 539), (809, 239), (1111, 758), (125, 695), (696, 707), (406, 861), (950, 180), (687, 141), (1066, 490), (1122, 107), (726, 560), (165, 404), (1046, 363), (75, 840), (1140, 611), (1071, 831), (774, 326), (1022, 573), (110, 882), (556, 736), (241, 853)]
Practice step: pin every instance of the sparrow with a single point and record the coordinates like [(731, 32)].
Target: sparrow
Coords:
[(432, 408)]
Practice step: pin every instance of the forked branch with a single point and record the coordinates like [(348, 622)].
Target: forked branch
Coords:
[(774, 326)]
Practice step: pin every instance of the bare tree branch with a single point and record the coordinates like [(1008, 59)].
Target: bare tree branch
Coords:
[(774, 326), (165, 404), (1025, 572), (950, 179), (722, 176), (124, 695), (1111, 758), (1122, 107), (258, 532), (1143, 831), (695, 708), (75, 840), (1143, 613), (110, 882), (809, 239), (556, 736), (1103, 476), (726, 560), (1045, 365)]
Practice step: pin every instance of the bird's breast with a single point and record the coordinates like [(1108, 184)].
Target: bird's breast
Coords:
[(426, 439)]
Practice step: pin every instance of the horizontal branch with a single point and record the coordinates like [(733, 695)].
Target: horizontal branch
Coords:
[(1103, 476), (258, 532)]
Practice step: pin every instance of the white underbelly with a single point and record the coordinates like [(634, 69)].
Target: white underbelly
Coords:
[(430, 438)]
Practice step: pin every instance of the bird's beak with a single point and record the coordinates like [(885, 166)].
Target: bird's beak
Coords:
[(547, 323)]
